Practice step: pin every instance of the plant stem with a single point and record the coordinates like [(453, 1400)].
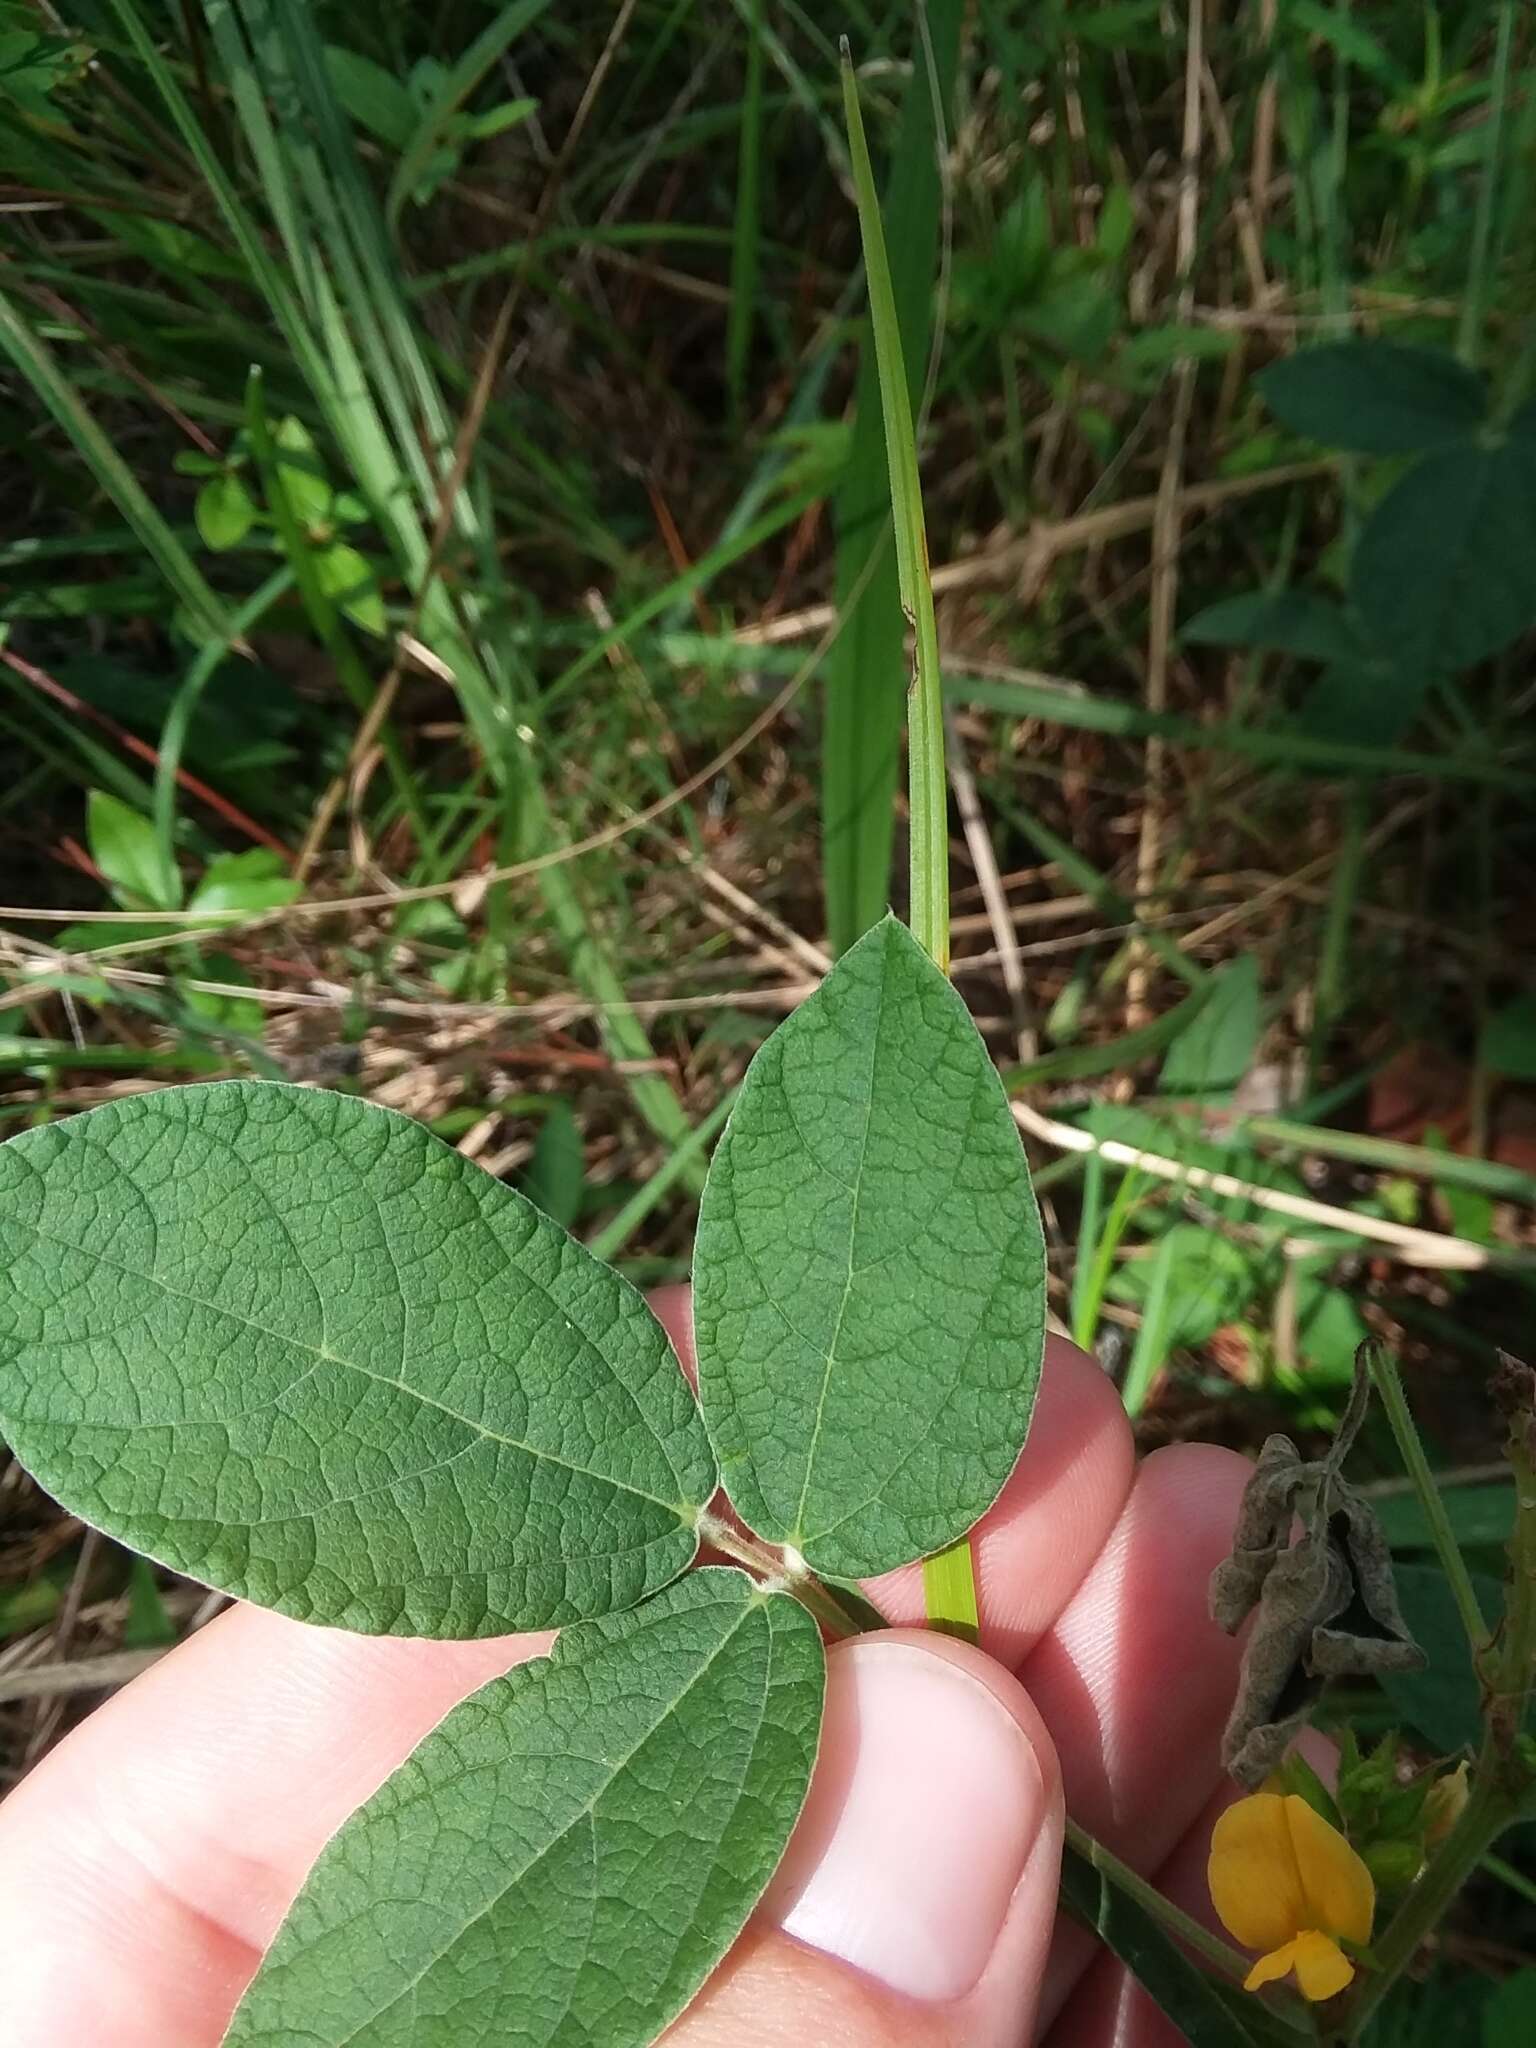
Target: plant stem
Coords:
[(772, 1566), (1210, 1946), (1389, 1386)]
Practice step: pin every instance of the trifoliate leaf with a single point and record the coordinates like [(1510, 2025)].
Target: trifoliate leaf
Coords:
[(569, 1854), (297, 1347), (869, 1282)]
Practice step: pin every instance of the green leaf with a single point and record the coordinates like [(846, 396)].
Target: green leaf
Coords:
[(224, 511), (1216, 1048), (1479, 1515), (568, 1855), (1363, 702), (1210, 1281), (301, 473), (446, 90), (147, 1625), (293, 1345), (1444, 1701), (1299, 622), (1442, 573), (1507, 1043), (869, 1283), (556, 1172), (1205, 2013), (1330, 1330), (255, 880), (372, 96), (1376, 397), (1509, 2017), (125, 847), (347, 578)]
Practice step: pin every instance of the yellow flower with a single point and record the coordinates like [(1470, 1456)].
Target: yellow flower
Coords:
[(1285, 1882)]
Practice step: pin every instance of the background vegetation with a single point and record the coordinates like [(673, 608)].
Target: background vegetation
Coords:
[(451, 648)]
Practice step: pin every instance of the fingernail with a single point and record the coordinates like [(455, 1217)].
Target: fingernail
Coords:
[(926, 1801)]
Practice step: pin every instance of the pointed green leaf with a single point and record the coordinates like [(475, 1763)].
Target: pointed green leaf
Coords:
[(301, 473), (347, 578), (126, 847), (557, 1171), (297, 1347), (1208, 2014), (869, 1280), (1216, 1048), (564, 1860)]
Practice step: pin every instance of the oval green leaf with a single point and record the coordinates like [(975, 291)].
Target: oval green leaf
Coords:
[(224, 512), (568, 1855), (869, 1277), (295, 1346)]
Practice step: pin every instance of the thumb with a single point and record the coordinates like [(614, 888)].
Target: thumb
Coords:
[(913, 1907)]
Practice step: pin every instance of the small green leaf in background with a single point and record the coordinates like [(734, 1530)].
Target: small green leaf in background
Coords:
[(224, 512), (347, 578), (1509, 2017), (568, 1855), (1376, 397), (1507, 1043), (255, 880), (1329, 1331), (1444, 1701), (291, 1344), (1210, 1281), (869, 1279), (1441, 576), (301, 473), (147, 1625), (1363, 704), (1300, 622), (556, 1172), (125, 846), (1478, 1515), (373, 97), (1216, 1048)]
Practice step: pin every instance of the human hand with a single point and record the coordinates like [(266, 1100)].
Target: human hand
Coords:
[(147, 1863)]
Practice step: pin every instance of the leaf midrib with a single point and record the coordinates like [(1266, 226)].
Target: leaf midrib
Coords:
[(323, 1355), (856, 1189)]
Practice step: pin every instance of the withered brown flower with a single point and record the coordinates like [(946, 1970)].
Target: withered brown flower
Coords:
[(1327, 1606)]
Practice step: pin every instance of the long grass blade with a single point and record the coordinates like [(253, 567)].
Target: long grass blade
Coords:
[(867, 675)]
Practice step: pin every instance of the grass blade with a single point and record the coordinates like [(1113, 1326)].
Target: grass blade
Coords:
[(866, 675)]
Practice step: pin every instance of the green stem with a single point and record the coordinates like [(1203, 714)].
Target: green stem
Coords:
[(835, 1616), (1469, 328), (1389, 1386)]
